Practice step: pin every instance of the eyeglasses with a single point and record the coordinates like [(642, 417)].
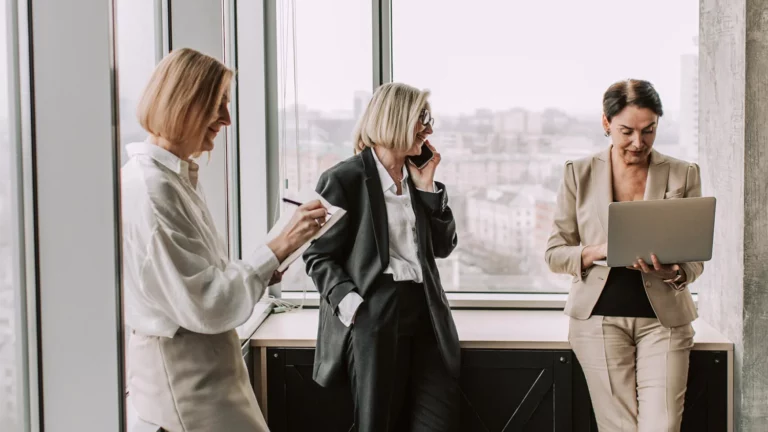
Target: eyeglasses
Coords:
[(426, 118)]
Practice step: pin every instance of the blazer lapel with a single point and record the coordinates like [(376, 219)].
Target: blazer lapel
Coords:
[(602, 185), (378, 206), (658, 175)]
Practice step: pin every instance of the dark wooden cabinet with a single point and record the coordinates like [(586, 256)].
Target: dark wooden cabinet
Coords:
[(502, 390), (516, 390)]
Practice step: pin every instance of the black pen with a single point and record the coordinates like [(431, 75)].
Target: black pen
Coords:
[(290, 201)]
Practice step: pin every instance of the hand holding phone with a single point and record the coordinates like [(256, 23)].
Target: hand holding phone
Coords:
[(424, 165), (424, 158)]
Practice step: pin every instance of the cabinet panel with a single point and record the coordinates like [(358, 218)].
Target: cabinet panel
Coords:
[(502, 390)]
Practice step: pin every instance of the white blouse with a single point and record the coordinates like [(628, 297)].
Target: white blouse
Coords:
[(404, 262), (176, 269)]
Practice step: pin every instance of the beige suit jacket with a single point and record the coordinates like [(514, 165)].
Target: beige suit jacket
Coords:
[(581, 219)]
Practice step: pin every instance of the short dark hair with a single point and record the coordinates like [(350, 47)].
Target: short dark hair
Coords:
[(639, 93)]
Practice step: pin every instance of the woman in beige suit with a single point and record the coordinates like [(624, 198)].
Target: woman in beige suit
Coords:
[(630, 328)]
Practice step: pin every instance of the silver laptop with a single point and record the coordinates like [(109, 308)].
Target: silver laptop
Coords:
[(676, 230)]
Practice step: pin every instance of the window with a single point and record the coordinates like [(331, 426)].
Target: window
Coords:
[(136, 57), (324, 84), (11, 366), (516, 91)]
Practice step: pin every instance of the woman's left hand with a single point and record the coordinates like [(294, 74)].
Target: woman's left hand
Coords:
[(424, 178), (665, 272)]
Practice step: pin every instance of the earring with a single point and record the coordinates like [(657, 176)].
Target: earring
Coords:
[(607, 133)]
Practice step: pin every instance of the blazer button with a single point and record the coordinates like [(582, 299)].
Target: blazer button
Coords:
[(647, 284)]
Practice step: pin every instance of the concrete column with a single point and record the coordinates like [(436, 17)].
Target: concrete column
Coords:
[(733, 151)]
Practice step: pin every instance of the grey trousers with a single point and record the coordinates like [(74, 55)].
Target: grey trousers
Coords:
[(192, 383)]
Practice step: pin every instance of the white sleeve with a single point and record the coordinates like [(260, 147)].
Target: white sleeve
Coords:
[(348, 307), (196, 289), (434, 189)]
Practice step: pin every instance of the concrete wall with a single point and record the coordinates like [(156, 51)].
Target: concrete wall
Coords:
[(733, 152)]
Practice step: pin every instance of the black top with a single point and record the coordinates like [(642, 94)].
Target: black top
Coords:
[(624, 295)]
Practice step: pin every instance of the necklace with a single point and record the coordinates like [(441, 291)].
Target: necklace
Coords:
[(398, 178)]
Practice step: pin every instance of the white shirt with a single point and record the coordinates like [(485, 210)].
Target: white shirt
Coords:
[(176, 268), (404, 262)]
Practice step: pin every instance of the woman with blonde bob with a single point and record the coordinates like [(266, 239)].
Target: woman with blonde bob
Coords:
[(385, 325), (184, 296)]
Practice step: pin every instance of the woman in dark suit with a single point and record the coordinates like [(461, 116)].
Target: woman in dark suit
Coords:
[(385, 323)]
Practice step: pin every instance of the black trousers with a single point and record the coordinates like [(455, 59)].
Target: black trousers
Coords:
[(398, 379)]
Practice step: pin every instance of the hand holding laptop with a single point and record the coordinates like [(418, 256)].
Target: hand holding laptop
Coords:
[(594, 255), (597, 254), (666, 272)]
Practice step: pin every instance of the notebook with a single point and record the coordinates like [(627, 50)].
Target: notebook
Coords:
[(334, 215)]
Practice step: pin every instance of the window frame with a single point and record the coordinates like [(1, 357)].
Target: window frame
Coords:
[(73, 311), (23, 247)]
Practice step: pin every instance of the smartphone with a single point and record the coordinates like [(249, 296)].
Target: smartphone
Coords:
[(423, 159)]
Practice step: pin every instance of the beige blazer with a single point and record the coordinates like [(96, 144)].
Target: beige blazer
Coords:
[(581, 219)]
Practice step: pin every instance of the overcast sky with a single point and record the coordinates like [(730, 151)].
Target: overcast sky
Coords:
[(498, 53), (3, 62), (482, 54)]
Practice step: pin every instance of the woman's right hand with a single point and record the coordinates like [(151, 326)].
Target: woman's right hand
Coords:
[(593, 253), (305, 223)]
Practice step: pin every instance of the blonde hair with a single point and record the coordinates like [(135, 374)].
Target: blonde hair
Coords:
[(183, 95), (390, 118)]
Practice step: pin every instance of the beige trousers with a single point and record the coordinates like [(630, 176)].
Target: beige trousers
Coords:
[(636, 370), (192, 383)]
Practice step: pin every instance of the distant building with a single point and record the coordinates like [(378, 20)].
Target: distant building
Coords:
[(503, 224)]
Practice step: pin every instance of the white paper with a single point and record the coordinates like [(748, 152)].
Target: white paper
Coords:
[(334, 215)]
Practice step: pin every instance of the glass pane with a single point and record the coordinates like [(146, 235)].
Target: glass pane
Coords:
[(135, 40), (11, 367), (135, 62), (517, 91), (324, 84)]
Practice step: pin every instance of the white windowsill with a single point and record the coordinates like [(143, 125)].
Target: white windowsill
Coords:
[(260, 312), (460, 300), (478, 329)]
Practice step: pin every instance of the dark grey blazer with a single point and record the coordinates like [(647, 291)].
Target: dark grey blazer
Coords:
[(355, 252)]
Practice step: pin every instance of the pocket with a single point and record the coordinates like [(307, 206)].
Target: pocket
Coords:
[(677, 193)]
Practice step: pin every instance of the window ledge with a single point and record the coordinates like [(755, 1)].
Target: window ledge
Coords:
[(478, 329), (469, 300), (260, 313)]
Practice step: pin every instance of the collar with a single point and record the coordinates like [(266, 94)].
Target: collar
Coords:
[(386, 180), (186, 169)]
